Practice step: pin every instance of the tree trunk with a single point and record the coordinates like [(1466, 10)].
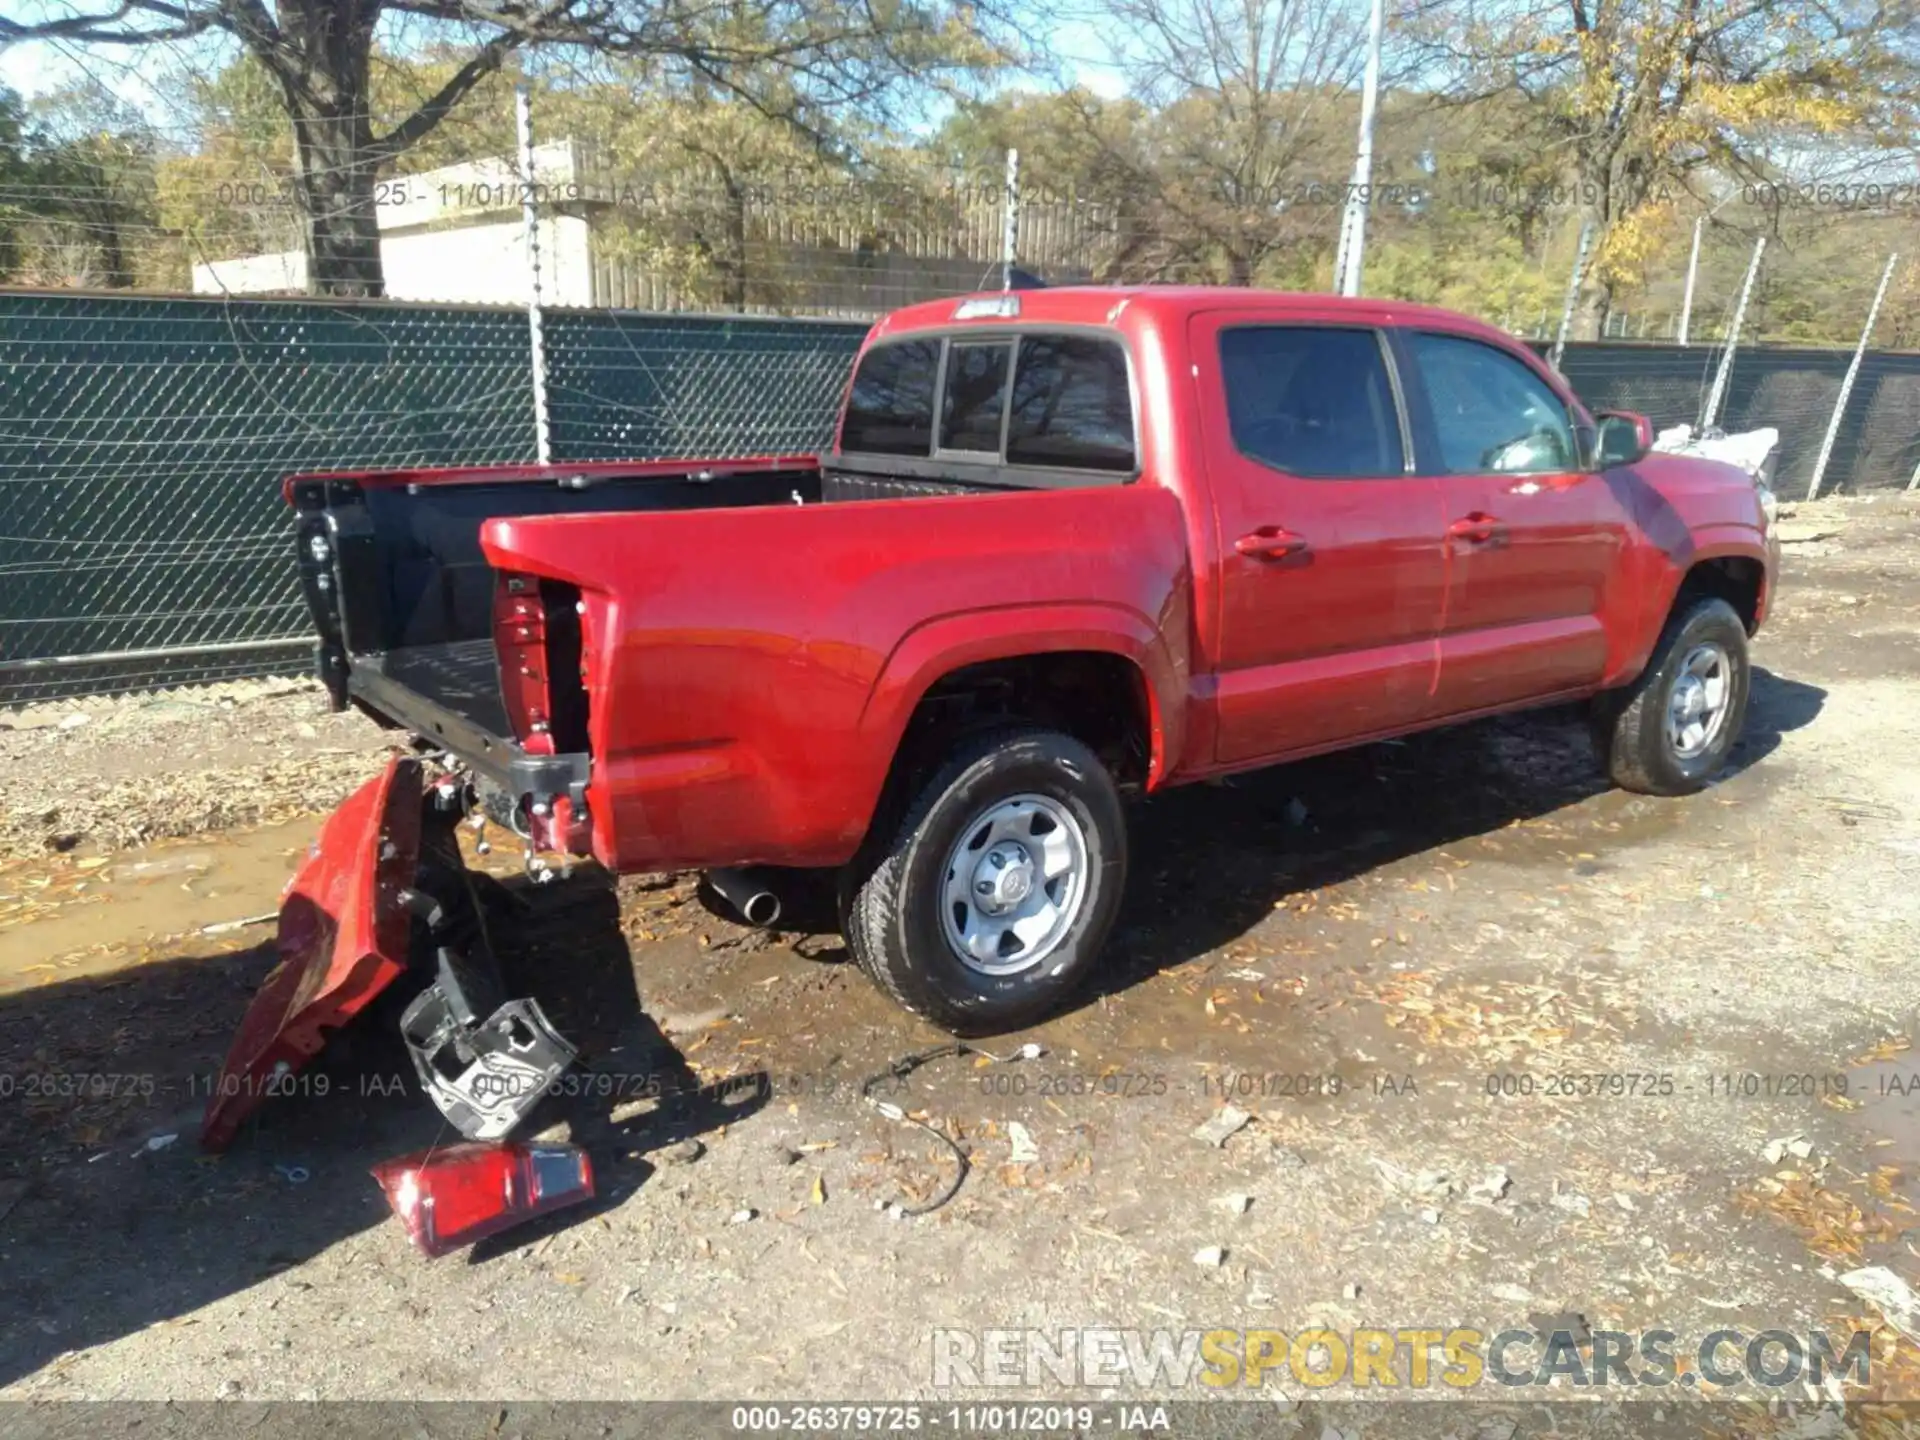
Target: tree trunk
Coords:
[(113, 253), (1591, 310), (330, 102), (336, 193), (1595, 301), (734, 269)]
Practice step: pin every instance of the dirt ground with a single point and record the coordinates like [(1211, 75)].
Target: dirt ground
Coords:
[(1384, 959)]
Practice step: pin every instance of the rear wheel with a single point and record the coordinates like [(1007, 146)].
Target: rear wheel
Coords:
[(1671, 731), (989, 902)]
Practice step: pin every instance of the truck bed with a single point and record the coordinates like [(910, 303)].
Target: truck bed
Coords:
[(404, 599), (461, 675)]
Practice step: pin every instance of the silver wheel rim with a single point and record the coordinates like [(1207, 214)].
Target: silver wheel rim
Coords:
[(1698, 703), (1015, 882)]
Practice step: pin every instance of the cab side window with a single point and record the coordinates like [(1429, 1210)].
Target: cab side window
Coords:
[(1311, 400), (1491, 414)]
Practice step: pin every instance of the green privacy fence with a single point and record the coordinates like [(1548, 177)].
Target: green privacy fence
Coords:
[(1793, 389), (142, 443), (143, 439)]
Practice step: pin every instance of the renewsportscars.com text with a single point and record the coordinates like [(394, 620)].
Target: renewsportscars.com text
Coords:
[(1169, 1361)]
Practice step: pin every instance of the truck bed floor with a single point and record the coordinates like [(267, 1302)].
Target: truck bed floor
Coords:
[(463, 676)]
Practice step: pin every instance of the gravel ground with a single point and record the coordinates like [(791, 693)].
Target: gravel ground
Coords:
[(1385, 960), (107, 773)]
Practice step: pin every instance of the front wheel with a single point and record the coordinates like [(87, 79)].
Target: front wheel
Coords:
[(989, 903), (1670, 732)]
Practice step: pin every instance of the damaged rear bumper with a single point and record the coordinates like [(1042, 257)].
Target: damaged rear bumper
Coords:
[(384, 890)]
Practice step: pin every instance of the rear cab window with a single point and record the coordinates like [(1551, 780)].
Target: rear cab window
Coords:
[(890, 407), (1040, 405)]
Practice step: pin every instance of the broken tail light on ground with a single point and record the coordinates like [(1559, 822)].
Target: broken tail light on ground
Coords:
[(452, 1196)]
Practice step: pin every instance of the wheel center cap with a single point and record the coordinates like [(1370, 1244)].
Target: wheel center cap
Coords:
[(1003, 878), (1691, 698)]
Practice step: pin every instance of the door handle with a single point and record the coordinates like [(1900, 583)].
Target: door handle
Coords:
[(1479, 528), (1271, 542)]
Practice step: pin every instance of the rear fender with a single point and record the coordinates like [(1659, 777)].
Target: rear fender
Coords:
[(938, 648), (343, 938)]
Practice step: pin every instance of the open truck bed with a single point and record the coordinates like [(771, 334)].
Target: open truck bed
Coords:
[(484, 666), (420, 631), (408, 609)]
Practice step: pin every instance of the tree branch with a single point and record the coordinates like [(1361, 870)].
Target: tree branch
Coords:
[(417, 126), (115, 27)]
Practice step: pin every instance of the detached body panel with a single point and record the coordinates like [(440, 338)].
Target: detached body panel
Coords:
[(343, 938)]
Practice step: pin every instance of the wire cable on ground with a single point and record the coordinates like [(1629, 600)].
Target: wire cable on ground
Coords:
[(905, 1066)]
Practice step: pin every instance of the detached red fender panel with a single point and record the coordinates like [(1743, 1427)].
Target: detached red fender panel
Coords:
[(343, 939)]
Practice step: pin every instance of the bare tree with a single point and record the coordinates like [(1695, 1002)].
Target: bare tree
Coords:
[(1249, 144), (319, 53)]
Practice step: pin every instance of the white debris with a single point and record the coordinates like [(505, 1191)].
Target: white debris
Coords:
[(1227, 1121), (1236, 1204), (1211, 1256), (1025, 1152), (1491, 1186), (1795, 1145), (1894, 1298), (1352, 1292), (741, 1217)]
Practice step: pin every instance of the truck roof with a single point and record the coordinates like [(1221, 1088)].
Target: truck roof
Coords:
[(1163, 305)]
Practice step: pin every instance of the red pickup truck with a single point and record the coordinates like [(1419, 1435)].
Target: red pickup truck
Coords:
[(1068, 544)]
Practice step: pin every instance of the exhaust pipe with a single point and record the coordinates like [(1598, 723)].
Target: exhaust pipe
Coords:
[(748, 892)]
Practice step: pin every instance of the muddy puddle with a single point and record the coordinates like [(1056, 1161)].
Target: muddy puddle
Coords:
[(1887, 1087), (72, 914)]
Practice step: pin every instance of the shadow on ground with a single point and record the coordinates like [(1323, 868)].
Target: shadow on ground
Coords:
[(1211, 861), (110, 1237), (113, 1227)]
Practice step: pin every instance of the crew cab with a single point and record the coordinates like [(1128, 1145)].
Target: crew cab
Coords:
[(1068, 545)]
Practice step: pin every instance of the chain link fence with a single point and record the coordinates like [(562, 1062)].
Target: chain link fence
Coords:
[(1876, 448), (143, 540)]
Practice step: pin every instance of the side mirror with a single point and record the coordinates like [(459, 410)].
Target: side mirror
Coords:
[(1622, 438)]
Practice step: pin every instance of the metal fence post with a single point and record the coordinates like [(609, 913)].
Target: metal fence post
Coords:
[(1349, 258), (1718, 394), (1010, 221), (530, 222), (1846, 382), (1693, 269), (1573, 294)]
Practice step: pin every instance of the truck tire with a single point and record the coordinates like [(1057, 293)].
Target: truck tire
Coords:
[(1671, 730), (988, 903)]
